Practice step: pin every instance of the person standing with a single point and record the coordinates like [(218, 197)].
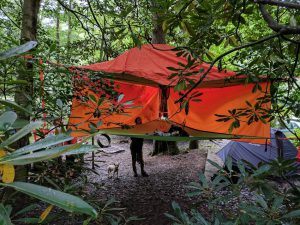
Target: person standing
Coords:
[(136, 149)]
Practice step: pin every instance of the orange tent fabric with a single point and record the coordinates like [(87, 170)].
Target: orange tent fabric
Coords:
[(148, 65), (139, 73), (202, 116), (145, 98)]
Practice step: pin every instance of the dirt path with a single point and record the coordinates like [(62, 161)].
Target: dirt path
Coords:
[(149, 197)]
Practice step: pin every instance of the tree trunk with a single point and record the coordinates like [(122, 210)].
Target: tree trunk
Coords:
[(69, 31), (58, 32), (28, 33), (158, 37), (193, 144)]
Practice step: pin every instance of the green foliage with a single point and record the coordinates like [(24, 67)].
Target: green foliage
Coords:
[(269, 204), (111, 214), (46, 149), (5, 215), (63, 200), (37, 152), (296, 142), (229, 34)]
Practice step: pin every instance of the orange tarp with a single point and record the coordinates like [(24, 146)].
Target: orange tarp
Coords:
[(148, 65), (201, 115), (146, 101)]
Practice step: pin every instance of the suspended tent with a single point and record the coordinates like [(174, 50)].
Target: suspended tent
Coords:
[(142, 74)]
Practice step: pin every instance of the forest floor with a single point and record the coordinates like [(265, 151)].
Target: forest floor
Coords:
[(149, 197)]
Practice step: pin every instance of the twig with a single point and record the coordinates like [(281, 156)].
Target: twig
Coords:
[(77, 17), (223, 55), (239, 21), (10, 18), (287, 4), (283, 29)]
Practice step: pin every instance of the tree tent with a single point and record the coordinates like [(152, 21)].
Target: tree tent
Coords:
[(141, 75), (256, 153)]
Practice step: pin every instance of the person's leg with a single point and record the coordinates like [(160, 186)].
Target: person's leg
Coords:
[(141, 161), (134, 159)]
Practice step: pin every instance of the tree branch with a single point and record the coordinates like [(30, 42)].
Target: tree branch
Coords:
[(102, 29), (279, 28), (294, 80), (94, 16), (10, 18), (77, 17), (223, 55), (291, 5), (239, 22), (290, 40), (184, 7)]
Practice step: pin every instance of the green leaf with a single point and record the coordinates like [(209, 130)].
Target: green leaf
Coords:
[(65, 201), (12, 82), (255, 87), (59, 103), (14, 105), (92, 98), (28, 220), (293, 214), (180, 86), (7, 119), (203, 180), (261, 201), (21, 133), (120, 97), (8, 209), (232, 41), (236, 124), (184, 27), (26, 209), (248, 103), (87, 221), (228, 163), (199, 218), (136, 40), (18, 50), (19, 123), (293, 21), (100, 101), (176, 208), (186, 108), (215, 164), (172, 69), (166, 23), (46, 154), (277, 202), (4, 216), (82, 149), (44, 143), (261, 170), (241, 167), (217, 222), (173, 218)]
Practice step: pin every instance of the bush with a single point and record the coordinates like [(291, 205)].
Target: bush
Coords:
[(275, 198)]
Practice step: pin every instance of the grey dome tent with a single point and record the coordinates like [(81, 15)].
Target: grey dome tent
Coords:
[(256, 153)]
